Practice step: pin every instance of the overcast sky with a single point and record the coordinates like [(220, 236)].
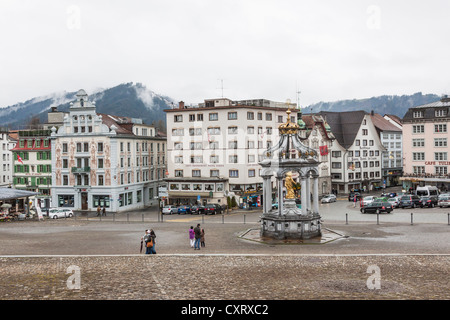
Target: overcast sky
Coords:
[(329, 50)]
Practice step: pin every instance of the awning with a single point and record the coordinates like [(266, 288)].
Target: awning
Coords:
[(10, 193)]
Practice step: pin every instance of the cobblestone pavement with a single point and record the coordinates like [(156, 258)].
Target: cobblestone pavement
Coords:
[(232, 277), (38, 258)]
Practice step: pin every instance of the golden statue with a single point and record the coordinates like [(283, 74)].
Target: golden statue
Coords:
[(290, 183)]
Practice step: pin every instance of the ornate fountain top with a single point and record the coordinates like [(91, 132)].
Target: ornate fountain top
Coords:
[(288, 127)]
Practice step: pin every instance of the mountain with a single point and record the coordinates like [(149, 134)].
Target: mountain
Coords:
[(396, 105), (128, 100)]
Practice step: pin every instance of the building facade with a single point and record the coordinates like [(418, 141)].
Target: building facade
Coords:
[(356, 155), (33, 165), (218, 145), (6, 156), (390, 133), (104, 160), (425, 145)]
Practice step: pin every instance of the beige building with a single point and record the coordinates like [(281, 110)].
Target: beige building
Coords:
[(104, 160)]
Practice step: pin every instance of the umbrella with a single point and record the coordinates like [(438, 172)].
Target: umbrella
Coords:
[(6, 205)]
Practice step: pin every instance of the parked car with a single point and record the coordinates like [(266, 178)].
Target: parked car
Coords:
[(428, 201), (409, 200), (394, 201), (328, 198), (56, 213), (170, 209), (352, 195), (377, 207), (213, 208), (367, 200), (444, 200), (197, 210), (184, 209)]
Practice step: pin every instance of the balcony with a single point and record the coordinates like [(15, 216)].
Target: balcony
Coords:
[(81, 170)]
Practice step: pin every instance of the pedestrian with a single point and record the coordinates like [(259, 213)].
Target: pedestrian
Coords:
[(191, 236), (143, 238), (148, 240), (198, 237), (354, 201), (202, 241), (153, 247), (104, 211), (98, 211)]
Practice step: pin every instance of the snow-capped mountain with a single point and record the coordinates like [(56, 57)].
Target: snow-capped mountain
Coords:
[(128, 99)]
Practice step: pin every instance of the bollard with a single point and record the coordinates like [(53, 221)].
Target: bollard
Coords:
[(142, 217), (244, 218), (411, 218), (378, 217), (346, 218), (223, 219), (203, 219), (128, 217), (448, 218)]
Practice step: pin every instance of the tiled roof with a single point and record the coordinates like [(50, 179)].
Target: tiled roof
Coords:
[(382, 124), (344, 125)]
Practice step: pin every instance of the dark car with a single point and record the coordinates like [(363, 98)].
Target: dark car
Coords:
[(428, 201), (197, 210), (352, 195), (377, 207), (213, 208), (184, 209), (408, 200)]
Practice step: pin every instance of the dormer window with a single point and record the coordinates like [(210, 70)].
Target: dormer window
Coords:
[(82, 102), (440, 113), (418, 114)]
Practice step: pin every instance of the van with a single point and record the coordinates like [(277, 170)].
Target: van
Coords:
[(444, 200), (427, 191)]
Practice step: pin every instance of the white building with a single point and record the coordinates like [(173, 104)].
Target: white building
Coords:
[(103, 160), (214, 149), (6, 156), (356, 155)]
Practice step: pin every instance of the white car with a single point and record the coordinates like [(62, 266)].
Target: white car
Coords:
[(328, 198), (56, 213), (169, 209), (368, 200), (444, 200), (395, 201)]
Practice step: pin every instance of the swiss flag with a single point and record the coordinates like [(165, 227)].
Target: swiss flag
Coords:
[(323, 150), (19, 159)]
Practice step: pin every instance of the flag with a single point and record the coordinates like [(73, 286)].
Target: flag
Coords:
[(19, 159), (323, 150)]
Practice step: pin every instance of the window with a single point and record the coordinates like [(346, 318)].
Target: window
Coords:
[(213, 116), (440, 142), (280, 119), (232, 130), (418, 169), (100, 147), (365, 132), (440, 156), (234, 173), (233, 159), (268, 116), (232, 144), (260, 117), (214, 159), (336, 165), (214, 130), (178, 118), (418, 156), (200, 117), (418, 114), (191, 117), (250, 130), (251, 173), (440, 128), (196, 159), (196, 173), (178, 173), (100, 180), (440, 170), (178, 159), (419, 128), (251, 158), (178, 146), (185, 186), (214, 145), (175, 132), (336, 154), (250, 116), (231, 115), (214, 173), (100, 163), (440, 113)]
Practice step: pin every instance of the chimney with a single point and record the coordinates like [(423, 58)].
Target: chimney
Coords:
[(181, 105), (54, 109), (372, 113)]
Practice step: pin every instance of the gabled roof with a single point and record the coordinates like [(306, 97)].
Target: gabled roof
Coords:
[(116, 121), (344, 125), (382, 124)]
